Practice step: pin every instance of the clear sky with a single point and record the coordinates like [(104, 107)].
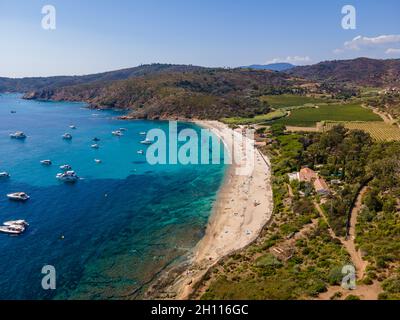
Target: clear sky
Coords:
[(93, 36)]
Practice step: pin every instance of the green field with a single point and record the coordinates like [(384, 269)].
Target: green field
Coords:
[(257, 119), (290, 100), (308, 117)]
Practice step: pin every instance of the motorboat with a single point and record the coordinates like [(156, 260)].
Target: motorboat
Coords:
[(13, 229), (46, 162), (13, 111), (18, 135), (18, 196), (96, 139), (117, 133), (143, 133), (4, 174), (146, 141), (140, 152), (97, 161), (68, 176), (65, 167), (72, 127), (95, 146), (22, 223), (67, 136)]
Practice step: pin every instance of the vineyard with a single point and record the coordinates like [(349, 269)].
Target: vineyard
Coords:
[(309, 117), (379, 131)]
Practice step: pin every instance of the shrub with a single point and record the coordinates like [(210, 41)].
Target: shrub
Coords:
[(317, 287), (335, 276), (268, 260), (368, 281), (392, 285)]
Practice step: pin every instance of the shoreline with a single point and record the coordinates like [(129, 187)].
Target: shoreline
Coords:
[(243, 207)]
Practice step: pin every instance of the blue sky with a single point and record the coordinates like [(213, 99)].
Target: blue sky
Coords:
[(94, 36)]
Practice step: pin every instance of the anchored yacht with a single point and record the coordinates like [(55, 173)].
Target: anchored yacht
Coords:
[(95, 146), (117, 133), (97, 161), (67, 136), (18, 196), (46, 162), (13, 229), (65, 167), (140, 152), (72, 126), (96, 139), (4, 175), (22, 223), (69, 176), (146, 141), (18, 135)]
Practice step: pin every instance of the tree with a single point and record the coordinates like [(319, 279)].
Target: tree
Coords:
[(278, 129)]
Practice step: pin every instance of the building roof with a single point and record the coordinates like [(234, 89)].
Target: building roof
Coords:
[(306, 174), (320, 185)]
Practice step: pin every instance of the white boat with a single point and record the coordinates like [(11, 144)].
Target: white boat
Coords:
[(16, 223), (97, 161), (14, 229), (65, 167), (69, 176), (146, 141), (18, 135), (143, 133), (117, 133), (140, 152), (18, 196), (67, 136), (72, 126), (46, 162), (95, 146), (4, 175)]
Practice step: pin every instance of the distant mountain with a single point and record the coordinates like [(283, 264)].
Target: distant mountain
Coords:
[(39, 83), (272, 67), (359, 72)]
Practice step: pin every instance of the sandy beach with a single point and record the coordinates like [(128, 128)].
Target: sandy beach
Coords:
[(243, 207)]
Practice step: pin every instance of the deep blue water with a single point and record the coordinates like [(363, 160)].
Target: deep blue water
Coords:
[(122, 224)]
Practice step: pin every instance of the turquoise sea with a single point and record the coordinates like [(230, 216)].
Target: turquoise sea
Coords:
[(112, 232)]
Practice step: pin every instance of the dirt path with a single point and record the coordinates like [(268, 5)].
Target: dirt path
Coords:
[(386, 117), (290, 191), (367, 292), (302, 129), (364, 292), (349, 242)]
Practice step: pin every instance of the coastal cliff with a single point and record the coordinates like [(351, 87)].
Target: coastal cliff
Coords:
[(200, 94)]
